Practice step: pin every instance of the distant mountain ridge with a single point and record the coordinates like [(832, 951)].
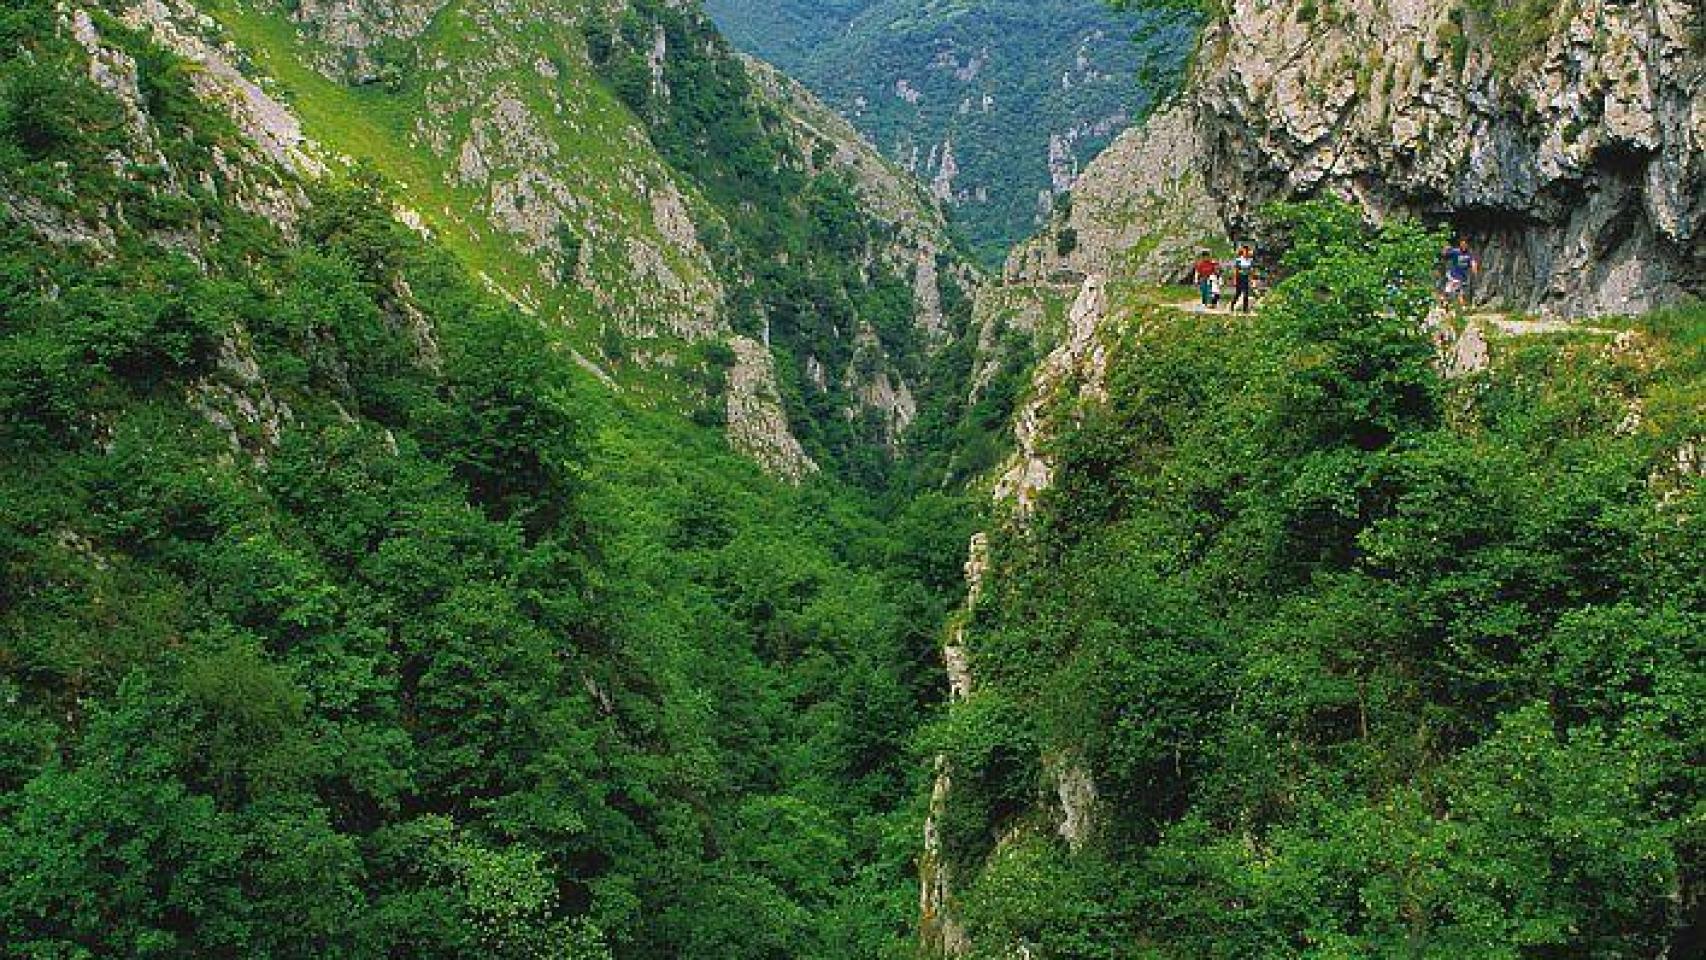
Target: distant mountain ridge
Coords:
[(996, 103)]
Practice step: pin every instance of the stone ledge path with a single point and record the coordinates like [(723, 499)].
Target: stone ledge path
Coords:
[(1461, 353)]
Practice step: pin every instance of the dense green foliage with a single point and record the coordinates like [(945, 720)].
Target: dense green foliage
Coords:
[(340, 617), (1361, 662), (959, 439), (1067, 68)]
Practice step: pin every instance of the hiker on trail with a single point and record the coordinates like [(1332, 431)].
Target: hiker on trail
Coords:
[(1214, 286), (1243, 277), (1460, 265), (1205, 271)]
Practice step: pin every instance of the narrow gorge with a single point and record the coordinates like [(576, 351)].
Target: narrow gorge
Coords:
[(529, 478)]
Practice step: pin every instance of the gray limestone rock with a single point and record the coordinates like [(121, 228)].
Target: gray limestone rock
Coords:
[(1574, 164)]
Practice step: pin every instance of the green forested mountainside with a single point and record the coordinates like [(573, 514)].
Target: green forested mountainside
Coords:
[(1311, 652), (613, 169), (342, 614), (1025, 91), (799, 242), (347, 611)]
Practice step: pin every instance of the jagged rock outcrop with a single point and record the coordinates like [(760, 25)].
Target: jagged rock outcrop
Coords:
[(354, 34), (1566, 140), (255, 170), (270, 126), (1079, 362), (511, 125), (1000, 312), (757, 424), (575, 188), (1077, 366), (886, 190), (941, 932), (237, 400)]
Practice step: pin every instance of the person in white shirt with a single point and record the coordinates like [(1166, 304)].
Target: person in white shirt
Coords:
[(1243, 277)]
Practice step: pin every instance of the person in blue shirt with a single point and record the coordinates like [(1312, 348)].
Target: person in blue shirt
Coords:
[(1460, 265)]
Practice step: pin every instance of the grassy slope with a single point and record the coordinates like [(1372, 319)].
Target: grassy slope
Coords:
[(375, 127)]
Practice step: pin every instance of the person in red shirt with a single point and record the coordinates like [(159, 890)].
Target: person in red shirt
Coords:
[(1206, 269)]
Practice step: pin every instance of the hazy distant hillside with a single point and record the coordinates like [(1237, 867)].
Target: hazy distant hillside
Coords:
[(998, 103), (786, 32)]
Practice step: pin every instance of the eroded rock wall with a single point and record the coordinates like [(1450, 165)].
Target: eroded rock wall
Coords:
[(1139, 212), (1077, 366), (1566, 140)]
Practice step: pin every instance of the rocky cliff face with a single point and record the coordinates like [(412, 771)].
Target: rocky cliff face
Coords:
[(501, 130), (1141, 210), (1078, 363), (1564, 139), (758, 425), (1077, 367), (915, 246)]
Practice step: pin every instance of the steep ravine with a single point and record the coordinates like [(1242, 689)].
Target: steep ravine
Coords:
[(481, 481), (996, 104)]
